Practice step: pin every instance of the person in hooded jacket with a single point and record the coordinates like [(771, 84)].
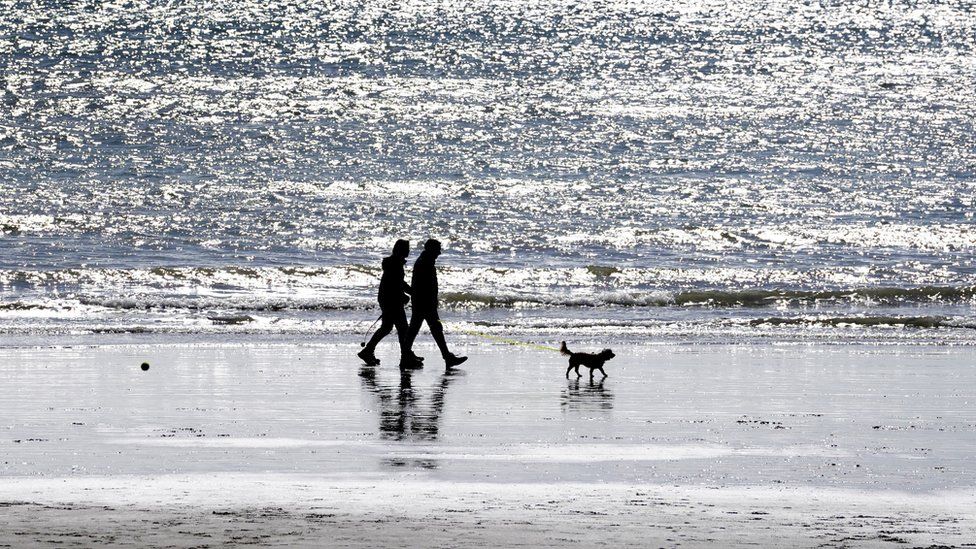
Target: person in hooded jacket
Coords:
[(423, 284), (393, 296)]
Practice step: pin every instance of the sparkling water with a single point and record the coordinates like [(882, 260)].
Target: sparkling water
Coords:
[(702, 170)]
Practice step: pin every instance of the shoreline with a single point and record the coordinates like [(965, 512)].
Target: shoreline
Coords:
[(462, 336)]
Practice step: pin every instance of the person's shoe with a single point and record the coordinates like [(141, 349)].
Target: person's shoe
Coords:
[(412, 355), (454, 360), (368, 357), (410, 363)]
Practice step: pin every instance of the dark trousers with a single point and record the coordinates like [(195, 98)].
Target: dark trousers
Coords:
[(433, 322), (393, 316)]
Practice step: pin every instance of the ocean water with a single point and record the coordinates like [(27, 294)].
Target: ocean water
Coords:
[(687, 170)]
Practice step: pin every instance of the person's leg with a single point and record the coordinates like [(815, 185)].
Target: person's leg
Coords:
[(416, 319), (437, 330), (408, 360), (403, 332), (386, 325)]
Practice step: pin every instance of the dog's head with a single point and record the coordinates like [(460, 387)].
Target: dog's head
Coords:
[(606, 354)]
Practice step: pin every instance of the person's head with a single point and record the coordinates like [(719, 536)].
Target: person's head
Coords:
[(401, 249), (433, 247)]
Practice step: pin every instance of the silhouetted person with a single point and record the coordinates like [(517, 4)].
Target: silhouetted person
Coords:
[(392, 297), (424, 286)]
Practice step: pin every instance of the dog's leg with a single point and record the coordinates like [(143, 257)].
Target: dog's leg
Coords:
[(569, 370), (602, 372), (578, 375)]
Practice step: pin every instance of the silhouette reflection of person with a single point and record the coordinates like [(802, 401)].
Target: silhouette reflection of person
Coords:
[(404, 416), (423, 283), (392, 296)]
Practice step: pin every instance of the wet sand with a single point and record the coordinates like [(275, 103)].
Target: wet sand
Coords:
[(298, 445)]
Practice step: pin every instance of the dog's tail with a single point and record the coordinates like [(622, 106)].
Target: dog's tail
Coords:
[(564, 350)]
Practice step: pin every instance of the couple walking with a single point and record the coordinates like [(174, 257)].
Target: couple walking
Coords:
[(395, 293)]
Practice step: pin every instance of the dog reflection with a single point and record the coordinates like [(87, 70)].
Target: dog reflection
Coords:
[(586, 396)]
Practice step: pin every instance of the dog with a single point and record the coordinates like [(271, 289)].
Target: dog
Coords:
[(593, 361)]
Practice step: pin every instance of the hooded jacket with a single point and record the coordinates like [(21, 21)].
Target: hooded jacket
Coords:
[(393, 290)]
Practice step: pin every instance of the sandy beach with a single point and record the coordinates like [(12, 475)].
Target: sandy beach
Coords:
[(765, 208), (297, 444)]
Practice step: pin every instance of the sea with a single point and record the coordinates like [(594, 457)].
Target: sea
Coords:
[(687, 171)]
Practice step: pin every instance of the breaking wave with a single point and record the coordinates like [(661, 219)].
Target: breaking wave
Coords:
[(883, 295), (721, 298), (714, 299), (867, 321), (351, 287)]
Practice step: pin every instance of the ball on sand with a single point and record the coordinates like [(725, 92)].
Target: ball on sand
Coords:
[(145, 366)]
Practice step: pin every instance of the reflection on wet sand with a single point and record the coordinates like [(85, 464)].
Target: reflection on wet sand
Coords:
[(586, 396), (403, 414)]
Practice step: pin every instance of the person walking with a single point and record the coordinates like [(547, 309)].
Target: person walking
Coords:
[(392, 296), (423, 284)]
